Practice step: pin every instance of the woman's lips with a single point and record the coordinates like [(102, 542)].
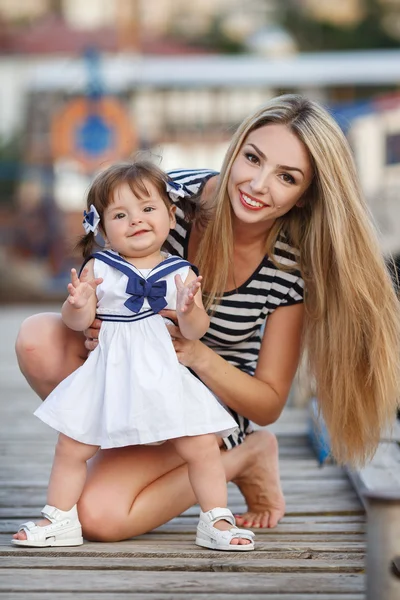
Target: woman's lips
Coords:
[(251, 203)]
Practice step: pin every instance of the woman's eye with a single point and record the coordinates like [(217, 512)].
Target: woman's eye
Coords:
[(253, 158), (288, 178)]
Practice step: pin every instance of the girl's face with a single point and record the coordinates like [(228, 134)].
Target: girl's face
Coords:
[(137, 226), (269, 175)]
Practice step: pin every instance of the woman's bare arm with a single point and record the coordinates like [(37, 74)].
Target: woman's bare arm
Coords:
[(261, 397)]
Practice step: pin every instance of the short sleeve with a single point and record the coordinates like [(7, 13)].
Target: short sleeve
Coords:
[(192, 180), (295, 294)]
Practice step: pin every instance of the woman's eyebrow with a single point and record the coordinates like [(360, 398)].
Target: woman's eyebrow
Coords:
[(284, 167)]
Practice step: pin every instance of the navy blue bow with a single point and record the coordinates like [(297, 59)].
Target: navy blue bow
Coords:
[(139, 289)]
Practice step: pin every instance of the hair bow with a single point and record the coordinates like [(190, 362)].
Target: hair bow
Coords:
[(91, 220), (175, 190)]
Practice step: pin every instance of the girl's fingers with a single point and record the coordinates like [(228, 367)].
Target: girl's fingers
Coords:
[(95, 282), (74, 278), (179, 283), (84, 274)]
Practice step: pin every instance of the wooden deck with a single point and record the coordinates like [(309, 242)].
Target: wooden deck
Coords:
[(317, 552)]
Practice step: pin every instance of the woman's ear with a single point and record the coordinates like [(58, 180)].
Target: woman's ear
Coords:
[(172, 218)]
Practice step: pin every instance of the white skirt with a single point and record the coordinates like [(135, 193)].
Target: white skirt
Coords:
[(133, 390)]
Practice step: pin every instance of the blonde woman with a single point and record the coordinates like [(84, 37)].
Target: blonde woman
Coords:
[(284, 214)]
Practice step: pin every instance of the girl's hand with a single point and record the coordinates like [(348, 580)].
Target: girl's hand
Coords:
[(80, 289), (185, 294)]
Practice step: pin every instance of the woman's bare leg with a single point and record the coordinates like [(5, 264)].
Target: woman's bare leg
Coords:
[(48, 351), (130, 491), (260, 484)]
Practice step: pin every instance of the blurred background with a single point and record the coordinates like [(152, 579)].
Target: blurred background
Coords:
[(84, 83)]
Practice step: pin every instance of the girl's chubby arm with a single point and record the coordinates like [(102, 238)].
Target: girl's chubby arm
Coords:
[(261, 397), (79, 309), (192, 317)]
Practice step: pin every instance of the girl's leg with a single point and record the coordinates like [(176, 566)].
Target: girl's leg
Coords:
[(68, 475), (130, 491), (206, 474), (48, 351), (205, 469)]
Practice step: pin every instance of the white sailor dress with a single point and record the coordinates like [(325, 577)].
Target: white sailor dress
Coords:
[(132, 388)]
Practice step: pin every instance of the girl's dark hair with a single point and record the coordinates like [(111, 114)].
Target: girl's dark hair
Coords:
[(135, 174)]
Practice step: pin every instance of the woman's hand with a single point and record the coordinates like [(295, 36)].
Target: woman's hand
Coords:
[(92, 335), (187, 351)]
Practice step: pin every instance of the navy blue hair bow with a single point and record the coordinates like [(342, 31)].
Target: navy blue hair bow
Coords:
[(139, 289)]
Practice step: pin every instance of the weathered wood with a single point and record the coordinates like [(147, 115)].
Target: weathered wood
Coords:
[(229, 562), (18, 580), (316, 552), (173, 596), (382, 473)]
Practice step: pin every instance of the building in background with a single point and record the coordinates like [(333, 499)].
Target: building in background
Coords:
[(146, 89)]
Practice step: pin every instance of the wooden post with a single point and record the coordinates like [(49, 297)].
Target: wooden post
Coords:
[(383, 544)]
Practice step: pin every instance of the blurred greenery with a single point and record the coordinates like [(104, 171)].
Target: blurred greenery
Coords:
[(10, 165), (368, 33)]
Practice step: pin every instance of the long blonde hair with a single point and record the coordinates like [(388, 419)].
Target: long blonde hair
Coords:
[(352, 323)]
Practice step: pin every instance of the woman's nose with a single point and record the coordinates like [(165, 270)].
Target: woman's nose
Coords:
[(260, 183)]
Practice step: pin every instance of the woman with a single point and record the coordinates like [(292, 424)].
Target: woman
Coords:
[(285, 209)]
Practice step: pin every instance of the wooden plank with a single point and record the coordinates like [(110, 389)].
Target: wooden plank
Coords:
[(381, 474), (18, 580), (160, 596), (184, 549), (215, 562)]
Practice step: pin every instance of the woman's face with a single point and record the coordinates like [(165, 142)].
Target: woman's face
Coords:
[(269, 175)]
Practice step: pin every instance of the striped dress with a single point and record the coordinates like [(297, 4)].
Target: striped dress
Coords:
[(237, 324)]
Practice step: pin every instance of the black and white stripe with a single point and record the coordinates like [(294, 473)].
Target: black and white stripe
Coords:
[(237, 324)]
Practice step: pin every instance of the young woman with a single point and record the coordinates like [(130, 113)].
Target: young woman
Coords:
[(285, 211)]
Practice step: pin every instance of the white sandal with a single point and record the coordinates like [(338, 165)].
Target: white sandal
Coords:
[(209, 536), (65, 529)]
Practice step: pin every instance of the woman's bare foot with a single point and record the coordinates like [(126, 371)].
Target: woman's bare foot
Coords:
[(21, 535), (260, 484)]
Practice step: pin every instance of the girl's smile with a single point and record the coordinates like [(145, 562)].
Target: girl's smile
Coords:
[(137, 226)]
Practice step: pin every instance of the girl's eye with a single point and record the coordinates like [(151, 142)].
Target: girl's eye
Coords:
[(288, 178), (148, 209), (119, 216), (251, 157)]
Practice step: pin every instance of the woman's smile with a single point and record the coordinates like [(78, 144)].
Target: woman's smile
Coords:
[(250, 202)]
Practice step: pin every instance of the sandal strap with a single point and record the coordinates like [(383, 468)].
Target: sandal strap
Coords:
[(51, 513), (217, 514)]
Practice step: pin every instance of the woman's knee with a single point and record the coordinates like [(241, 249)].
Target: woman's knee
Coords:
[(100, 522), (47, 351)]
